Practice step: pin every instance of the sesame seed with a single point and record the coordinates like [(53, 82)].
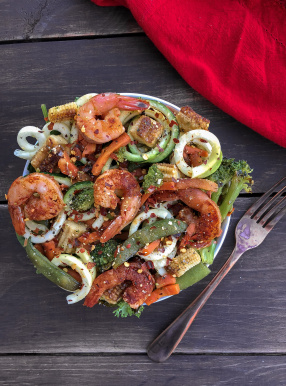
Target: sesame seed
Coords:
[(126, 264)]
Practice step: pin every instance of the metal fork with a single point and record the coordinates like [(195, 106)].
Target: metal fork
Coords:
[(251, 230)]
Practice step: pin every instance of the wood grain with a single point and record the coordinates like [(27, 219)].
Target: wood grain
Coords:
[(67, 69), (139, 370), (23, 20), (246, 314)]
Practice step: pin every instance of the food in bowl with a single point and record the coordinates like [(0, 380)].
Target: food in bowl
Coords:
[(124, 198)]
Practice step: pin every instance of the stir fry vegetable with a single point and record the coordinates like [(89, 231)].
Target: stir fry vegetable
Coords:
[(125, 199)]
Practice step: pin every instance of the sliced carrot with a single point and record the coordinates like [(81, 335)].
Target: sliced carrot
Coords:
[(74, 274), (67, 167), (172, 289), (123, 140), (89, 149), (40, 248), (149, 248), (51, 249), (162, 281), (88, 238)]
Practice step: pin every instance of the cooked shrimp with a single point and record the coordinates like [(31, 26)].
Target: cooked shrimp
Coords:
[(208, 223), (35, 197), (98, 119), (135, 294), (106, 188)]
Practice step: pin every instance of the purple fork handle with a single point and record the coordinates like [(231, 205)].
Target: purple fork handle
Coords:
[(163, 346)]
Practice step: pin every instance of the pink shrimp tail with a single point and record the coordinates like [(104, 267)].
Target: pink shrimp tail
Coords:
[(129, 103)]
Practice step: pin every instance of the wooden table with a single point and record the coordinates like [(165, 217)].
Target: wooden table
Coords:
[(51, 52)]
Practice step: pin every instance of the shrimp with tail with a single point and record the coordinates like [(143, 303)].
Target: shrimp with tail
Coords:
[(142, 284), (107, 188), (98, 119), (35, 197)]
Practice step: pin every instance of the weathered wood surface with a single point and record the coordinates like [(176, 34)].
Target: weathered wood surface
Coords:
[(41, 19), (56, 72), (246, 314), (195, 370)]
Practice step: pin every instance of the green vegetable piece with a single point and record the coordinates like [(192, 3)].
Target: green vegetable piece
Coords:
[(83, 200), (166, 143), (121, 154), (232, 177), (149, 233), (207, 253), (44, 111), (104, 254), (154, 178), (49, 270), (192, 276), (125, 310), (74, 190)]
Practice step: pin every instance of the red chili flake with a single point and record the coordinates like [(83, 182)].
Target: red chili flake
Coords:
[(172, 123), (157, 115), (82, 250), (205, 162), (96, 131), (128, 246), (152, 215), (100, 252), (103, 211), (203, 140), (176, 140), (90, 265), (50, 126), (108, 185), (160, 149), (138, 242), (132, 142), (153, 227)]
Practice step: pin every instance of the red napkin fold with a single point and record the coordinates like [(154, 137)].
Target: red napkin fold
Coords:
[(233, 52)]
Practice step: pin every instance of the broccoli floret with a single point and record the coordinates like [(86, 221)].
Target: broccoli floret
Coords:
[(104, 254), (125, 310), (154, 178), (121, 154), (83, 200), (232, 177)]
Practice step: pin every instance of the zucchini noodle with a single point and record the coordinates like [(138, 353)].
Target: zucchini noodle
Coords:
[(55, 229), (209, 140), (160, 212), (29, 150), (80, 267), (163, 115)]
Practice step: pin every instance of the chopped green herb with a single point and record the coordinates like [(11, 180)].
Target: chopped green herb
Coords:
[(125, 310)]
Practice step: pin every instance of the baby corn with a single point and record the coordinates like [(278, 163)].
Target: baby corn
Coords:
[(71, 231), (183, 262), (63, 112), (169, 171), (189, 120)]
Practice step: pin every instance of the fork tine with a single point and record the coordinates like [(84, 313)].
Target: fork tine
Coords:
[(258, 204), (263, 210), (276, 215)]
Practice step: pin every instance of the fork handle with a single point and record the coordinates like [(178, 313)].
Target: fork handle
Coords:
[(163, 346)]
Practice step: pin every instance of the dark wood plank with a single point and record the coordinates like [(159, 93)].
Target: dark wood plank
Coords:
[(139, 370), (56, 72), (49, 19), (246, 314)]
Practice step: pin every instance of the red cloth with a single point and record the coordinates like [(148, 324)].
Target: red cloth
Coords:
[(232, 52)]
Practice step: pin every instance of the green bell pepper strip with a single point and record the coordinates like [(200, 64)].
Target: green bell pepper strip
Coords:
[(171, 131), (149, 233), (49, 270), (192, 276)]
